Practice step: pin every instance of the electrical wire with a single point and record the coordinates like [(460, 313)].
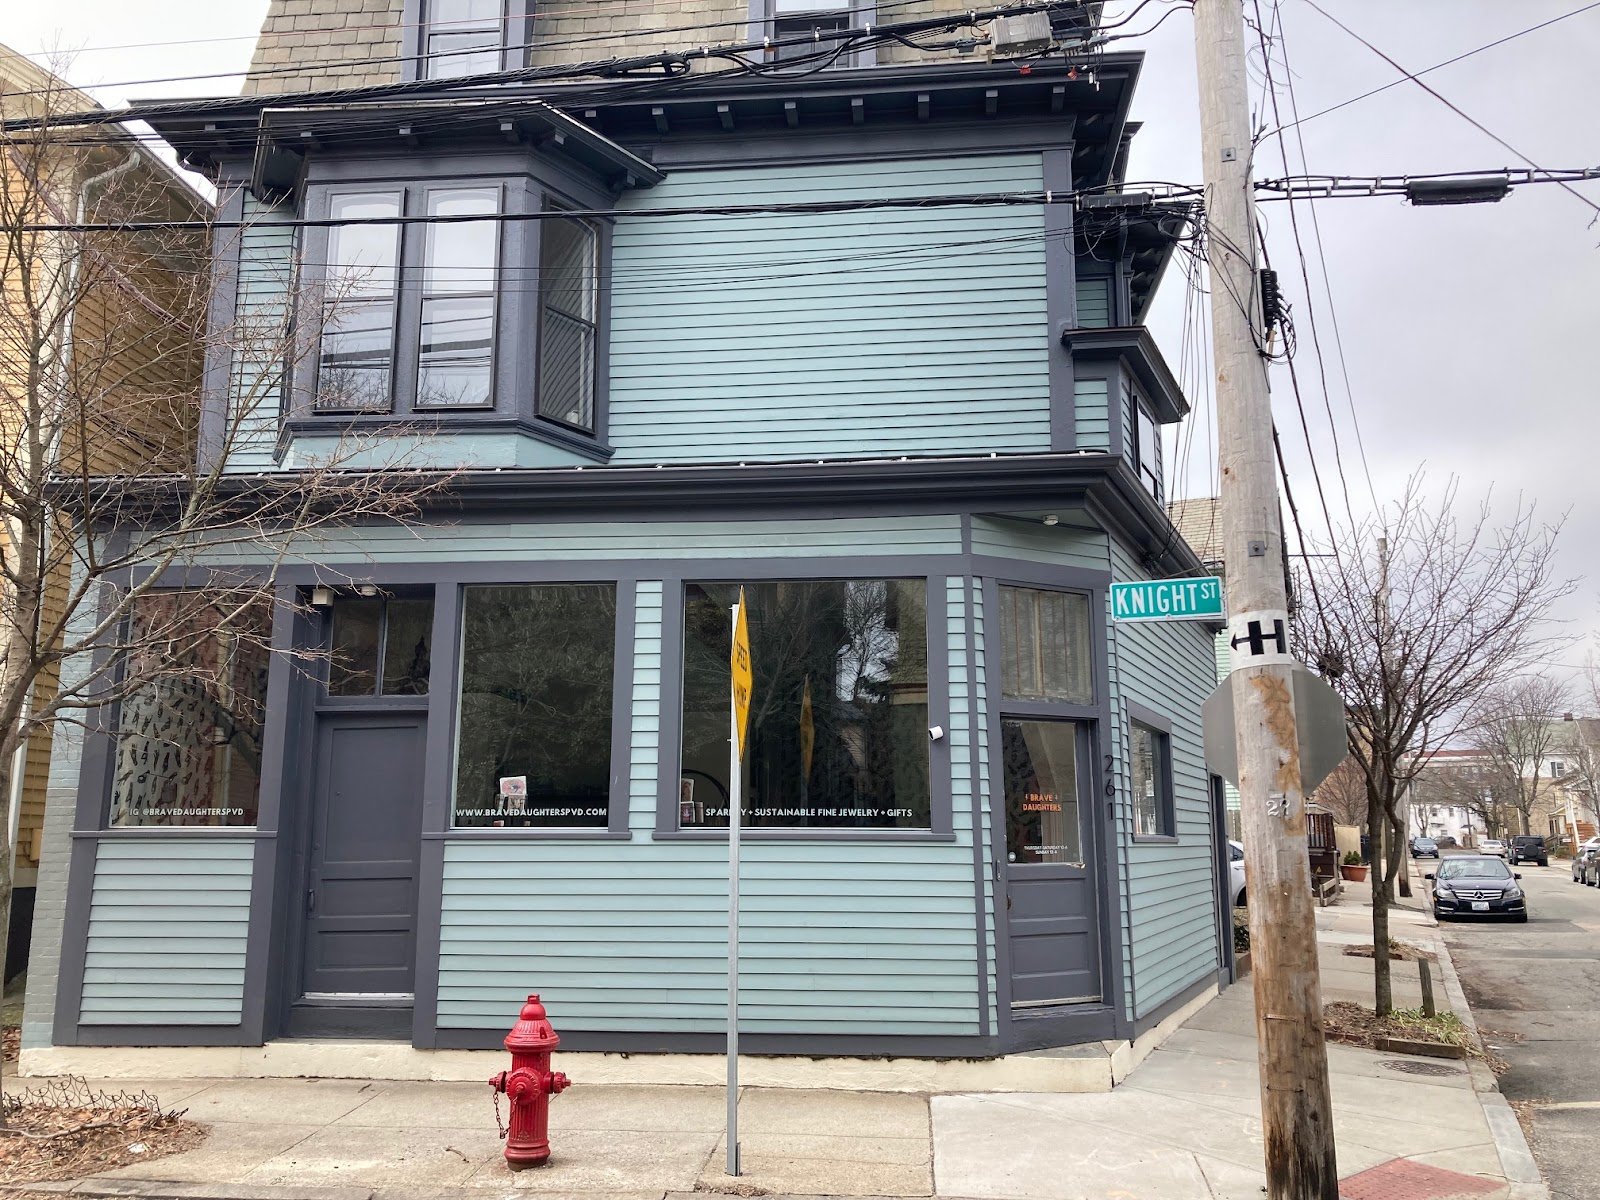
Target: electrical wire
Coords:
[(1476, 124), (679, 61), (1511, 37), (1267, 36)]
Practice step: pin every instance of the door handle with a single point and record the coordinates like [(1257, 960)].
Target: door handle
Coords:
[(311, 900)]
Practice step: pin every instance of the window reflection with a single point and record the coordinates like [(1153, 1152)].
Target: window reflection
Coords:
[(534, 739), (838, 733)]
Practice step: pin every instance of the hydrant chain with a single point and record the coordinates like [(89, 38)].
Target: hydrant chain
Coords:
[(528, 1087)]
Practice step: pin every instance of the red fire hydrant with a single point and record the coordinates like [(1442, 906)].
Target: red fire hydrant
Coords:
[(529, 1085)]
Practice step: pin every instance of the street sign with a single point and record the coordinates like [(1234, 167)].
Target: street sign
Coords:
[(743, 677), (1197, 599), (1318, 718)]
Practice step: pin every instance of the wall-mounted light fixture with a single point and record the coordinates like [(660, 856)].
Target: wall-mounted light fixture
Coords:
[(1052, 519), (322, 596)]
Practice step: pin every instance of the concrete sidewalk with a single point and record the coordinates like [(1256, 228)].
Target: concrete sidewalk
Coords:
[(1184, 1125)]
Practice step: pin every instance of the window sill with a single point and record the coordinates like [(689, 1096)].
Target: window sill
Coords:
[(801, 834), (528, 835), (1156, 839)]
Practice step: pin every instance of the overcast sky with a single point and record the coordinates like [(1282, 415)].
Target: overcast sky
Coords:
[(1471, 335)]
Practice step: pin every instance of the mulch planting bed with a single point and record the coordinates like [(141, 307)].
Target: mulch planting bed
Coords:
[(64, 1129)]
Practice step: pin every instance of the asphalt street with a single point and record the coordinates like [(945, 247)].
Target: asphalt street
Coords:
[(1537, 986)]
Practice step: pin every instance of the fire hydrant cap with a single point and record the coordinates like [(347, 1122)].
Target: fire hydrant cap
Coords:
[(532, 1032)]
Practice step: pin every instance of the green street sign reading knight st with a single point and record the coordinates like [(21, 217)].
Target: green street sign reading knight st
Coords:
[(1167, 600)]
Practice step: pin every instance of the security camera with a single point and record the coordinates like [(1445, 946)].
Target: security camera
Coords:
[(936, 733)]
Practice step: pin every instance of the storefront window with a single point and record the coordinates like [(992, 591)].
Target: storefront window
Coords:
[(1046, 646), (188, 740), (534, 742), (838, 734)]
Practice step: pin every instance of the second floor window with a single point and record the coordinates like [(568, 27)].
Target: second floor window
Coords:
[(568, 299), (473, 301), (1147, 447), (379, 280), (814, 19), (462, 37)]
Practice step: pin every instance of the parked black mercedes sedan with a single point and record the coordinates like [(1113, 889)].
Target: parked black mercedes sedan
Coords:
[(1481, 885)]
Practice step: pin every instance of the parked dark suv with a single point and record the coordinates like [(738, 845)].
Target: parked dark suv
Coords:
[(1527, 847)]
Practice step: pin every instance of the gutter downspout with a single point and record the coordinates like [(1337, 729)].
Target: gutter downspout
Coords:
[(19, 763)]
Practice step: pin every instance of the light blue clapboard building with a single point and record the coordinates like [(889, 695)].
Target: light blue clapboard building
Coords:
[(864, 342)]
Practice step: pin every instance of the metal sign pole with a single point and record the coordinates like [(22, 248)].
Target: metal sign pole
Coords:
[(735, 807)]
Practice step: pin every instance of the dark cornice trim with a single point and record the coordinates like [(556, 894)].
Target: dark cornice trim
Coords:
[(1137, 350), (1104, 484)]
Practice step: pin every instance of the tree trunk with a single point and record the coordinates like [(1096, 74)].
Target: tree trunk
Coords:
[(1397, 858), (1382, 988)]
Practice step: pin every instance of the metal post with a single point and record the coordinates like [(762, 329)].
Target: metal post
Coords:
[(735, 812), (1296, 1108)]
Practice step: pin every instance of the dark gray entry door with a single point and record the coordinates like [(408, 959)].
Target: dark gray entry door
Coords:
[(361, 902), (1050, 882)]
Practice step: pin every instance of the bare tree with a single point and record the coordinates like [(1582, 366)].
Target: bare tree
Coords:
[(1418, 612), (138, 562), (1344, 794), (1517, 724)]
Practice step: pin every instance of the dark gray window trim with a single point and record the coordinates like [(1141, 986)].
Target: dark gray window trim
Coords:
[(670, 726), (515, 51), (616, 827), (528, 181), (1166, 800), (862, 13)]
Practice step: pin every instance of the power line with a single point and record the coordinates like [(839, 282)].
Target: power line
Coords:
[(1327, 278), (1510, 37), (1476, 124), (678, 62), (1267, 37)]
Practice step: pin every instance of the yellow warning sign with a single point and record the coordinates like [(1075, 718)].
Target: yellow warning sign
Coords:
[(743, 677)]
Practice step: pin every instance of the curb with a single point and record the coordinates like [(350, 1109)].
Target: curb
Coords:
[(1510, 1143)]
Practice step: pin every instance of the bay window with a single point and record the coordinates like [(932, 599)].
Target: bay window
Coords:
[(459, 279), (460, 301), (360, 302), (569, 293)]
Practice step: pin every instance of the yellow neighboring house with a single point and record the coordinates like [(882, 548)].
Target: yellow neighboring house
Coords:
[(134, 318)]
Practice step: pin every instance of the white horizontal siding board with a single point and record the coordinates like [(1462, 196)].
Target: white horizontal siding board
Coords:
[(168, 923), (824, 325)]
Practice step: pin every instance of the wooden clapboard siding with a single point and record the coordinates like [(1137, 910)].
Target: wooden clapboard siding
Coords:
[(844, 335), (1094, 301), (167, 927), (1091, 414), (846, 938), (592, 541), (1167, 901), (1036, 542), (258, 338)]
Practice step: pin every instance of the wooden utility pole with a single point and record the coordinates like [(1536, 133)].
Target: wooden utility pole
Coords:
[(1296, 1109)]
